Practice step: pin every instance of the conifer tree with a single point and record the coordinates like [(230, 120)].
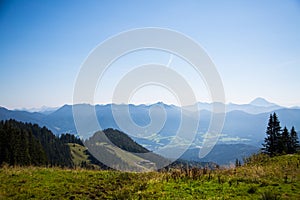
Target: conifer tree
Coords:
[(237, 163), (279, 141), (272, 141), (277, 135), (268, 146), (285, 142), (294, 141)]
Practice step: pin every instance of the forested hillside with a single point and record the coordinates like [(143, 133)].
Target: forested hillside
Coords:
[(24, 144), (29, 144)]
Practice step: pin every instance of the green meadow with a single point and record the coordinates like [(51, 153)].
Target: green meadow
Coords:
[(260, 178)]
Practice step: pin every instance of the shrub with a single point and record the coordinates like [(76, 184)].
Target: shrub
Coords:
[(269, 195)]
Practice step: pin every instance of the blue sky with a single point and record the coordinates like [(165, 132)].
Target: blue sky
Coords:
[(255, 46)]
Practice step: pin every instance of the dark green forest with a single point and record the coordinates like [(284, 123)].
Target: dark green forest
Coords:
[(123, 141), (28, 144)]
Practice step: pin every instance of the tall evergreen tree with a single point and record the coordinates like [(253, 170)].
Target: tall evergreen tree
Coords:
[(272, 140), (294, 141), (278, 135), (285, 142), (268, 146), (237, 163), (279, 141)]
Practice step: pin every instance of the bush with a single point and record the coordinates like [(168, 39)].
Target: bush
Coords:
[(269, 195), (252, 190)]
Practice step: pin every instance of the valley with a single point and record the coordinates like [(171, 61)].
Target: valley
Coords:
[(243, 131)]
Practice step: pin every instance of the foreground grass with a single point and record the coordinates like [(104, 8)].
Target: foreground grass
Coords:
[(266, 178)]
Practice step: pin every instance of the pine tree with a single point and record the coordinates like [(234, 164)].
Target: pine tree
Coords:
[(272, 141), (277, 134), (279, 141), (285, 142), (237, 163), (269, 140), (294, 141)]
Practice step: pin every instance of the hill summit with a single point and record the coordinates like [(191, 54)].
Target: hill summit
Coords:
[(262, 102)]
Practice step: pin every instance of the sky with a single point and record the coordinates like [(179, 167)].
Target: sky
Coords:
[(255, 46)]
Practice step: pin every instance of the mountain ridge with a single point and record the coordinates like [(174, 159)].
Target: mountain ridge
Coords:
[(61, 121), (239, 127), (258, 102)]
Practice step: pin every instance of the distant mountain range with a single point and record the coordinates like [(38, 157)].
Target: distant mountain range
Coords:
[(44, 109), (244, 124), (257, 106), (223, 154)]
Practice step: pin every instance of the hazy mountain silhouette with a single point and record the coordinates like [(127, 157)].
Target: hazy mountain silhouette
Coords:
[(262, 102), (223, 154), (240, 126)]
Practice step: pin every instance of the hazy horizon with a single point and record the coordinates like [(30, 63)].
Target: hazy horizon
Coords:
[(45, 107)]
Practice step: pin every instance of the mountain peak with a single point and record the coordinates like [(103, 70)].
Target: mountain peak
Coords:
[(261, 102)]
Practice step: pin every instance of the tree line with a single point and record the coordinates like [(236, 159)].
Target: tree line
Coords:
[(25, 144), (279, 141)]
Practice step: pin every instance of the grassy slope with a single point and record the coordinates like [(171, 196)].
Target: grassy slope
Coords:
[(279, 175), (133, 160), (78, 154)]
